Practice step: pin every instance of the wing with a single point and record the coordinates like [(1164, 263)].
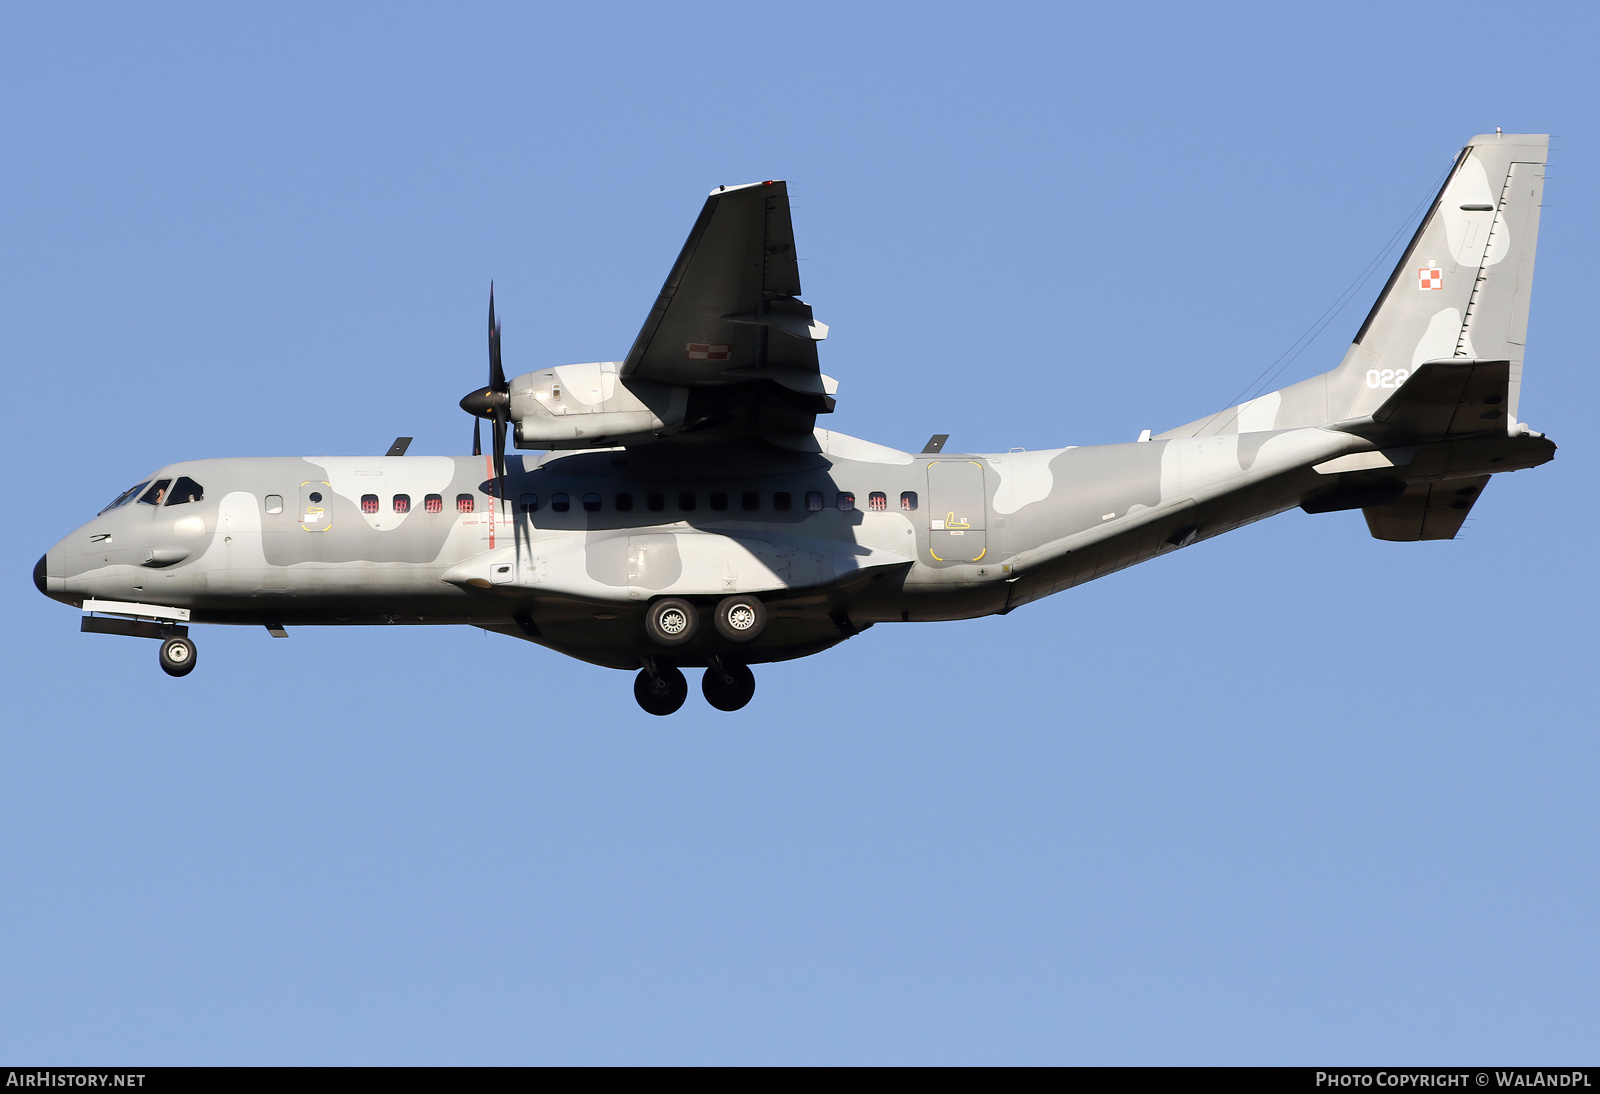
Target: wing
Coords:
[(729, 325)]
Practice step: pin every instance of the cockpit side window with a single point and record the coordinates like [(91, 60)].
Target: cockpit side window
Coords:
[(125, 497), (186, 490), (157, 492)]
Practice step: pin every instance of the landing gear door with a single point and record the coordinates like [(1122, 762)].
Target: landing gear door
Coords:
[(957, 501)]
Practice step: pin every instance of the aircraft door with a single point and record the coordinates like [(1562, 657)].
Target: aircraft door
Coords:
[(316, 506), (957, 502)]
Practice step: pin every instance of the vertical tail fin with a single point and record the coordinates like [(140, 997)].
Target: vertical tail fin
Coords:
[(1461, 289)]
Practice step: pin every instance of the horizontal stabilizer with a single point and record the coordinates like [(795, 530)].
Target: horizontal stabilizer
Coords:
[(1426, 511), (1445, 398)]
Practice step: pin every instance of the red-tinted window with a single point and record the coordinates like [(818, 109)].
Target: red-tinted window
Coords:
[(463, 503), (814, 502), (402, 503), (908, 501), (369, 503), (847, 501), (877, 501), (433, 503)]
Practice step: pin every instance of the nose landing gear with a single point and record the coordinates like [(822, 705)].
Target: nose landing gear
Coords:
[(177, 656)]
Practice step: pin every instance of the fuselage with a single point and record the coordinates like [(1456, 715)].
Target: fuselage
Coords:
[(575, 545)]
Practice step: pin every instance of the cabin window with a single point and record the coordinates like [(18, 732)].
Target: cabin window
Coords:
[(908, 502), (749, 501), (184, 491), (719, 502), (274, 503), (402, 503), (814, 501), (560, 502), (463, 503), (655, 502), (433, 503), (846, 501), (369, 504), (157, 492), (686, 502), (624, 503), (591, 503), (781, 500), (877, 501), (126, 496), (529, 503)]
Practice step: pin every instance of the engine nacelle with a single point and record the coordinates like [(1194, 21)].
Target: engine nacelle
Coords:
[(588, 406)]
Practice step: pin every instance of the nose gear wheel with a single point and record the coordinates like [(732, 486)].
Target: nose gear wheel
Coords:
[(177, 656)]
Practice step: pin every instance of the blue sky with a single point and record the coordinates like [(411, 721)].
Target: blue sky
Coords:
[(1289, 796)]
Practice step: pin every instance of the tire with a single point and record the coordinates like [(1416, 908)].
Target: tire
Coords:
[(177, 656), (672, 622), (741, 618), (728, 687), (661, 694)]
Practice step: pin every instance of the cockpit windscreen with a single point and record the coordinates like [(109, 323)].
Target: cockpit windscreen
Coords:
[(125, 497)]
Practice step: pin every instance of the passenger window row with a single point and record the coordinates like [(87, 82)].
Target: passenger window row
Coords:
[(371, 504), (688, 501)]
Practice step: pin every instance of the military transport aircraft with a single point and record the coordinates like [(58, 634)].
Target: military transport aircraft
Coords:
[(687, 511)]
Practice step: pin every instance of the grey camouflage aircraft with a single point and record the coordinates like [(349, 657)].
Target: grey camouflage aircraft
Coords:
[(686, 511)]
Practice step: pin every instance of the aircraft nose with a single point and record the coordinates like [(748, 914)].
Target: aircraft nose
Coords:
[(48, 576)]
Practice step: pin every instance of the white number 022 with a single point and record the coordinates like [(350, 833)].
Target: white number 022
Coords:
[(1388, 377)]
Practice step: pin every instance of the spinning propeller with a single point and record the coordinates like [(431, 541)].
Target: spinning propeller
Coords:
[(491, 402)]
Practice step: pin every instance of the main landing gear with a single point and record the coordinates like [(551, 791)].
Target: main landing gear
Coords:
[(661, 689), (673, 622), (728, 685)]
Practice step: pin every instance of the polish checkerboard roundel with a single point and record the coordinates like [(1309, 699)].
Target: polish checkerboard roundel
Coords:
[(1430, 277)]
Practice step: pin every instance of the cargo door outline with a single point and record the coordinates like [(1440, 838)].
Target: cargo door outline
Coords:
[(957, 510)]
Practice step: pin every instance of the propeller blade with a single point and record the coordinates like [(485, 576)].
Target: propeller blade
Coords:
[(477, 440), (500, 454), (497, 374)]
